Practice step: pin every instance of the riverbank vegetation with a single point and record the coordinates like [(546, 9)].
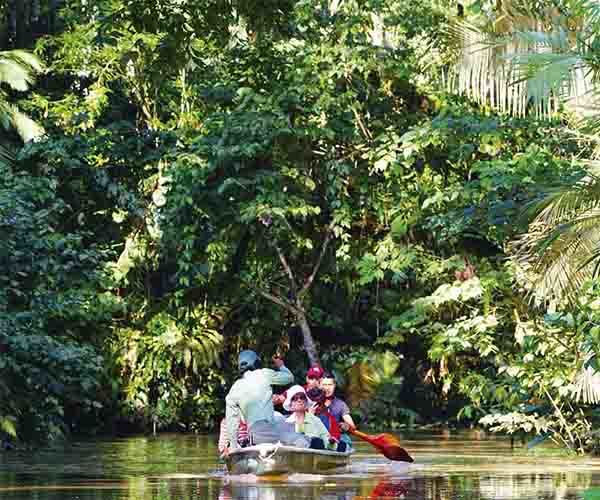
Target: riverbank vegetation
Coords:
[(404, 193)]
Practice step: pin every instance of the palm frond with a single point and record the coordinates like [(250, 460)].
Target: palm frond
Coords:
[(555, 62), (522, 71), (206, 347), (588, 12), (586, 123), (7, 158), (29, 59), (18, 69), (28, 129), (587, 386), (482, 72), (562, 204), (560, 257)]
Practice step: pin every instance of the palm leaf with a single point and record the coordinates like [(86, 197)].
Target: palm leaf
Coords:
[(362, 383), (521, 71), (7, 158), (18, 69), (588, 14), (586, 124), (206, 346), (561, 249), (587, 386), (481, 71), (27, 129), (563, 203), (15, 75)]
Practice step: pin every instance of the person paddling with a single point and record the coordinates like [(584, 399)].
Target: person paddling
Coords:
[(317, 396), (338, 408), (250, 397)]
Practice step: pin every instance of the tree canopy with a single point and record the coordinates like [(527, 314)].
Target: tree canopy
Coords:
[(403, 193)]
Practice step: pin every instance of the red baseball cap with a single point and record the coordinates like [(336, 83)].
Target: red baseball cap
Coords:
[(315, 371)]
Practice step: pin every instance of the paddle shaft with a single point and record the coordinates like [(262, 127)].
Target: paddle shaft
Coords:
[(362, 435)]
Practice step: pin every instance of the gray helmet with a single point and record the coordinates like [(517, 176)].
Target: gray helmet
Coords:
[(248, 360)]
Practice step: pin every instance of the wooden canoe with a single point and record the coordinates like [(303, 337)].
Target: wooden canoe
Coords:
[(274, 459)]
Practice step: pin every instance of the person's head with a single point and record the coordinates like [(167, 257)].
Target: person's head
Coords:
[(248, 360), (328, 384), (299, 402), (317, 396), (296, 399), (313, 376)]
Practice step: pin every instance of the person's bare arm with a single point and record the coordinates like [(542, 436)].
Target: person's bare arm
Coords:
[(347, 423)]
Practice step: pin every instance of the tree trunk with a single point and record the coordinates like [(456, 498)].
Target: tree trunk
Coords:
[(21, 24), (296, 306), (35, 11), (53, 7), (297, 310), (309, 341), (12, 22)]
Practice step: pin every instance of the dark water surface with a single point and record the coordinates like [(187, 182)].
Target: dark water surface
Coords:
[(168, 467)]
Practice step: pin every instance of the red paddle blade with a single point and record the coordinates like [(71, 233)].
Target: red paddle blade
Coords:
[(387, 444), (384, 440), (396, 453)]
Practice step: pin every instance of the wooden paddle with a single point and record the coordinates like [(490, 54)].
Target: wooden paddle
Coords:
[(387, 444)]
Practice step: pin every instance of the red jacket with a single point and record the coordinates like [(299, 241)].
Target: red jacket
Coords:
[(331, 423)]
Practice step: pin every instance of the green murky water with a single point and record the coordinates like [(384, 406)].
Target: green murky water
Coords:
[(462, 466)]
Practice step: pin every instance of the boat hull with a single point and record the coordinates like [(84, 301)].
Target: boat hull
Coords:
[(275, 459)]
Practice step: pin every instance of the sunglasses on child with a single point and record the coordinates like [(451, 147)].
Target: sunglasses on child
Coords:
[(298, 397)]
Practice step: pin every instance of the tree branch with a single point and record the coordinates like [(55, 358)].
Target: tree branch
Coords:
[(287, 268), (361, 125), (309, 281), (278, 300)]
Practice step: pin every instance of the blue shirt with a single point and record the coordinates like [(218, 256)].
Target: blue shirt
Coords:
[(338, 408)]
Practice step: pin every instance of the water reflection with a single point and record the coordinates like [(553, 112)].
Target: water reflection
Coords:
[(440, 488), (448, 467), (562, 486), (391, 488), (262, 492)]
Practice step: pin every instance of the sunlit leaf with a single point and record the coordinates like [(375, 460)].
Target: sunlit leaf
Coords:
[(7, 424)]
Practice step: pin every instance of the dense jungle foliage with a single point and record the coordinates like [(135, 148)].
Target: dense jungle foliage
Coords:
[(343, 182)]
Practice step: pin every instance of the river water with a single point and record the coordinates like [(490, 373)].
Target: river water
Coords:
[(167, 467)]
